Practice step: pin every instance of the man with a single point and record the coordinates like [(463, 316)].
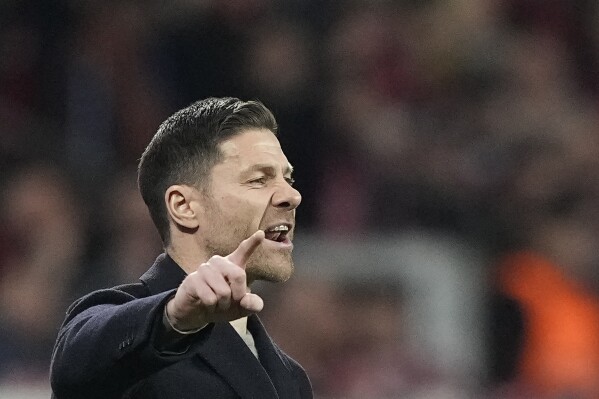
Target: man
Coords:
[(219, 189)]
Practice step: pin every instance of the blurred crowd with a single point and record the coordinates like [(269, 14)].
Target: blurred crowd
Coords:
[(475, 119)]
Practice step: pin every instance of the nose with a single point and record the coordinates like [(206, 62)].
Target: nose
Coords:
[(286, 197)]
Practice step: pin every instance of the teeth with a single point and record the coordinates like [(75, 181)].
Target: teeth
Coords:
[(280, 228)]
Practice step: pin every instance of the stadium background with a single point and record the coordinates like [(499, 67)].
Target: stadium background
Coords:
[(446, 152)]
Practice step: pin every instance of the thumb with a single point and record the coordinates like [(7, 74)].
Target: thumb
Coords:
[(252, 303)]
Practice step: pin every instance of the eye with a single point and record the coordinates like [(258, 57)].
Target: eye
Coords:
[(259, 180), (290, 180)]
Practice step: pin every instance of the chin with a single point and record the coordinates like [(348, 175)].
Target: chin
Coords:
[(274, 272)]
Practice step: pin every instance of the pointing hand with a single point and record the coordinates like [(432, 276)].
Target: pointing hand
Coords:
[(217, 290)]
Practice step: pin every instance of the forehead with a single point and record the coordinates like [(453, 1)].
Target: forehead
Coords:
[(253, 145)]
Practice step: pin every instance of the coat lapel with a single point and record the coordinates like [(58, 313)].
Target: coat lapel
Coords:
[(274, 361), (230, 357)]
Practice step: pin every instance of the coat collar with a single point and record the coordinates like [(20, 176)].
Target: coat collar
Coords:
[(225, 351), (164, 275)]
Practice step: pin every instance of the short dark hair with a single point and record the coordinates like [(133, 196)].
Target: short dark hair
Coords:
[(185, 148)]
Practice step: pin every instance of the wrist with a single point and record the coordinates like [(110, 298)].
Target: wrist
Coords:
[(172, 323)]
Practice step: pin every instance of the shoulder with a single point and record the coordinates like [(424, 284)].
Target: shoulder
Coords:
[(289, 362), (296, 369), (110, 296)]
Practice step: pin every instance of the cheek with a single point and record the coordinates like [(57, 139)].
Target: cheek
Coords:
[(242, 207), (228, 203)]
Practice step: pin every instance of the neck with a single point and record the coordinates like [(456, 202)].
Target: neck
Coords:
[(188, 257)]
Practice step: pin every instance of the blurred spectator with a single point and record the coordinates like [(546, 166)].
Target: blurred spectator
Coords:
[(552, 272), (47, 227), (114, 103), (348, 336), (23, 119), (372, 360), (128, 240), (560, 356)]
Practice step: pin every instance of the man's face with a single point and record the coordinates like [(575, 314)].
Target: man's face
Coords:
[(250, 190)]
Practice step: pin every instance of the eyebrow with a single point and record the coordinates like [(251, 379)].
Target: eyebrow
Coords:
[(263, 166)]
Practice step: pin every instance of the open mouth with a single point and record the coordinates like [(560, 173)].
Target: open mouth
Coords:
[(277, 233)]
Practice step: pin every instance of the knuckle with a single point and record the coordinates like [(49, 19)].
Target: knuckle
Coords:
[(238, 278), (196, 278), (190, 282), (202, 266), (223, 291), (209, 300), (217, 262)]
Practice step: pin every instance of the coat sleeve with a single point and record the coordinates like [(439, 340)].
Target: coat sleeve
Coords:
[(107, 344)]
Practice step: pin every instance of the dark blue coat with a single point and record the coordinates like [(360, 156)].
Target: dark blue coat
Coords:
[(106, 348)]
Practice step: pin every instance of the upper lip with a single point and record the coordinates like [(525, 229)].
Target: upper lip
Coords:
[(272, 226)]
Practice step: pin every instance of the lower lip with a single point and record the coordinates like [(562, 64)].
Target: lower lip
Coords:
[(286, 244)]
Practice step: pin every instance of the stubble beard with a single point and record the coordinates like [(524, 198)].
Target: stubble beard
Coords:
[(224, 238), (263, 267), (269, 266)]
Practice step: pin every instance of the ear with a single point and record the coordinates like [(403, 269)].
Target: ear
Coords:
[(182, 206)]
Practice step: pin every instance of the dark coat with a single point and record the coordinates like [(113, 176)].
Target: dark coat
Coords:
[(106, 348)]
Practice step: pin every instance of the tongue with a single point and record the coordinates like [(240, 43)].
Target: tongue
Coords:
[(272, 235)]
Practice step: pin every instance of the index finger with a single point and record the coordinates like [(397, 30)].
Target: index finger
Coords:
[(246, 248)]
